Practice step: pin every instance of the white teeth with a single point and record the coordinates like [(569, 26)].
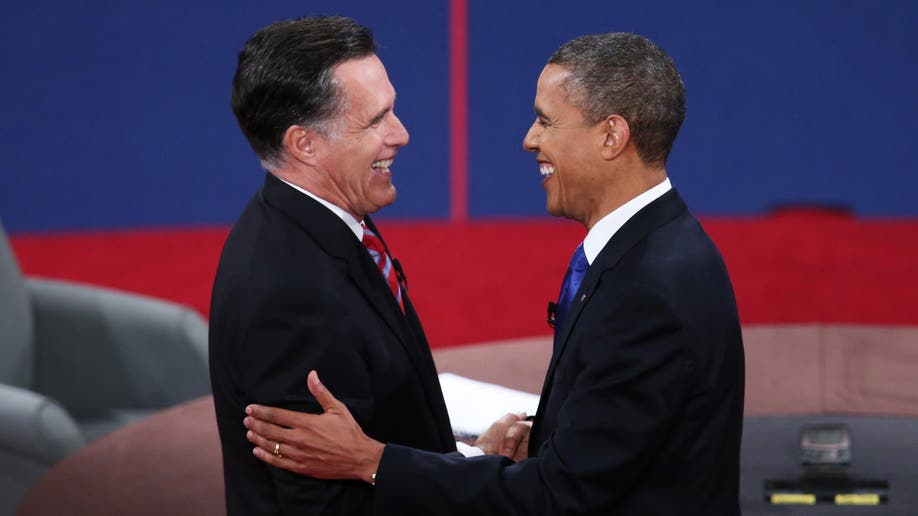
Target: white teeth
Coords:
[(546, 169), (382, 164)]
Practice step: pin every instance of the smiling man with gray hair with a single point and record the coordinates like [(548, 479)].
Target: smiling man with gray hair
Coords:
[(305, 280)]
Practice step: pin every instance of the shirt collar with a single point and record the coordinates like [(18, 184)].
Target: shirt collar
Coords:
[(355, 226), (601, 232)]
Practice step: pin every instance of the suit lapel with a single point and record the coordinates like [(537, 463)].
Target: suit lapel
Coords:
[(417, 348), (336, 239), (371, 282), (662, 210)]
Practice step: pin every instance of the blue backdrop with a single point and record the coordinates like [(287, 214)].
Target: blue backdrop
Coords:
[(116, 114)]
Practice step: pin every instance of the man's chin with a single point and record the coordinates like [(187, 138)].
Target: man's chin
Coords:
[(557, 211), (383, 200)]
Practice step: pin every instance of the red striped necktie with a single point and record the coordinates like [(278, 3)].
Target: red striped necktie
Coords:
[(384, 262)]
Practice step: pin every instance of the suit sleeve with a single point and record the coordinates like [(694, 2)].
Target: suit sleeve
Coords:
[(628, 370), (285, 340)]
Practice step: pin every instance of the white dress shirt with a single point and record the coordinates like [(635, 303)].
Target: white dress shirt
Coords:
[(601, 232), (354, 224)]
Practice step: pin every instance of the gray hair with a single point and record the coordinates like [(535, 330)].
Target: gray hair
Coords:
[(285, 77), (626, 74)]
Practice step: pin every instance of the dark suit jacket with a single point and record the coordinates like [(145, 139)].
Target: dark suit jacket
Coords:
[(641, 410), (294, 291)]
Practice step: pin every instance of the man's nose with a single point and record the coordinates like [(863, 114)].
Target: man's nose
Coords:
[(530, 141), (398, 135)]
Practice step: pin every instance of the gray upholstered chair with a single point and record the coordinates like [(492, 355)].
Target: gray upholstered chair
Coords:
[(77, 362)]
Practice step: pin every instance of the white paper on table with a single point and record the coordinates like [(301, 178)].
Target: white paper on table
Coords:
[(474, 405)]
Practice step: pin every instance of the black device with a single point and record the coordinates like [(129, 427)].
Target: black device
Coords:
[(825, 454), (825, 444)]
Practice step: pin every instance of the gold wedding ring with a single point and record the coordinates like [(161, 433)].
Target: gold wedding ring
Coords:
[(277, 452)]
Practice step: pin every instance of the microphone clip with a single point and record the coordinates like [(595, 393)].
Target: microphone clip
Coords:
[(400, 275)]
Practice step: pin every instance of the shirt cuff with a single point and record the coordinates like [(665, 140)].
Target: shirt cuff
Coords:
[(468, 451)]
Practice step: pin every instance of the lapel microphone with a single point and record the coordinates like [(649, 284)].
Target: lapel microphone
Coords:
[(400, 274), (552, 313)]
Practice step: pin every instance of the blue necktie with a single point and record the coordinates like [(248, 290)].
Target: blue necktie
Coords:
[(572, 280)]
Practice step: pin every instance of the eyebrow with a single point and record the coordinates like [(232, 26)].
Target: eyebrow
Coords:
[(539, 113)]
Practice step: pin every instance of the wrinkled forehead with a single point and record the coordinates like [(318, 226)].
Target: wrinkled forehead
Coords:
[(553, 77), (364, 78), (365, 84), (557, 83), (553, 89), (366, 72)]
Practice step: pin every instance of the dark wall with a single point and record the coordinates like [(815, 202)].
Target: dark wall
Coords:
[(788, 101), (116, 114)]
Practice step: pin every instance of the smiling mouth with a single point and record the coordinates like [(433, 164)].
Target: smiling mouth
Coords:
[(382, 166), (546, 169)]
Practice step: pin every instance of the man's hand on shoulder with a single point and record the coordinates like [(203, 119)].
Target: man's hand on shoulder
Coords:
[(330, 446)]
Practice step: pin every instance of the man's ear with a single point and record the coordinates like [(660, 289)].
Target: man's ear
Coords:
[(616, 135), (300, 144)]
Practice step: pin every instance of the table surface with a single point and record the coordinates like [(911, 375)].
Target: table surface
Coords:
[(170, 464)]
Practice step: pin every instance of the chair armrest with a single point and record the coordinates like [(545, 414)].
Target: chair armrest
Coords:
[(98, 349), (34, 429)]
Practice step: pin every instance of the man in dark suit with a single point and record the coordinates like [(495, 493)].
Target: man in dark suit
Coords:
[(641, 409), (305, 281)]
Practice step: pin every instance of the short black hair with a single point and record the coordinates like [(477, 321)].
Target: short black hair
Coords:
[(626, 74), (285, 77)]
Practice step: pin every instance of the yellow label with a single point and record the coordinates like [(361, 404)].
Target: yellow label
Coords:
[(793, 498), (857, 499)]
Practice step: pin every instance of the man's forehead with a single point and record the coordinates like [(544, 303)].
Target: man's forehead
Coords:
[(361, 68), (368, 94), (551, 88), (364, 76), (553, 75)]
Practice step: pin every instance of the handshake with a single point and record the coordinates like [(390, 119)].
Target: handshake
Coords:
[(508, 436)]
